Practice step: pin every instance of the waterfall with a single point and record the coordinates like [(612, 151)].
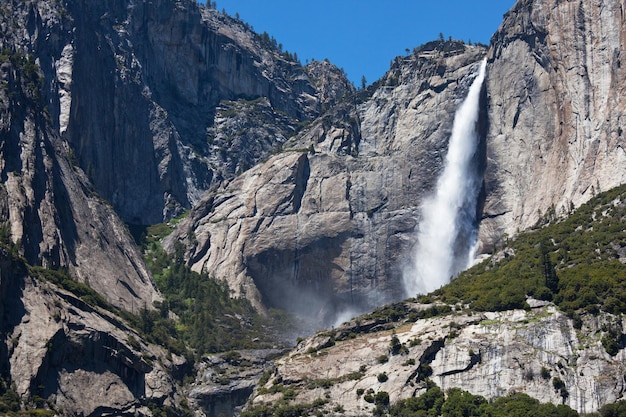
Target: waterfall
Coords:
[(447, 231)]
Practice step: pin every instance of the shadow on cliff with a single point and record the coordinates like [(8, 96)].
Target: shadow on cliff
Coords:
[(480, 158), (304, 283), (12, 275), (79, 354), (57, 247)]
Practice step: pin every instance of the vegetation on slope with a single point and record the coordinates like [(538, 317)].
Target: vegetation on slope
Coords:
[(455, 402), (208, 320), (198, 315), (576, 262)]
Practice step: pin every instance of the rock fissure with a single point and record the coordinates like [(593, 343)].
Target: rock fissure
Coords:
[(424, 370), (475, 359)]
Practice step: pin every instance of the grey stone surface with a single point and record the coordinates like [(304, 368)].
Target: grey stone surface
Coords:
[(556, 110), (490, 354)]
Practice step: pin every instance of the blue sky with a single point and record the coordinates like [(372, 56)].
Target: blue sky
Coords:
[(363, 36)]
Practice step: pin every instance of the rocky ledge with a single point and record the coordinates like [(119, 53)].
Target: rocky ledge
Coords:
[(538, 351)]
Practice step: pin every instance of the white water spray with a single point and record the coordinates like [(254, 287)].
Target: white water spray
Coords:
[(447, 231)]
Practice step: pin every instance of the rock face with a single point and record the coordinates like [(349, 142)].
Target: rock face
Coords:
[(139, 90), (48, 206), (323, 228), (556, 110), (348, 209), (225, 382), (155, 102), (491, 354), (137, 109), (81, 359)]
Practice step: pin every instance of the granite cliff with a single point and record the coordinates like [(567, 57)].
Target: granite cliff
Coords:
[(63, 353), (305, 196), (550, 125), (556, 110), (324, 228), (146, 92)]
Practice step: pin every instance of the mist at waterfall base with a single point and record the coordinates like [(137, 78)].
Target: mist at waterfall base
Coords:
[(448, 227)]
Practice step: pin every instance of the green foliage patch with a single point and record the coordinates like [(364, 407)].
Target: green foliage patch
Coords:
[(27, 73), (209, 319), (12, 405), (574, 262), (461, 403)]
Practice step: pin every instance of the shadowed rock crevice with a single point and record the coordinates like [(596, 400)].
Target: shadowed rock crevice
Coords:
[(475, 359), (424, 370), (224, 402), (302, 173), (12, 309), (480, 159)]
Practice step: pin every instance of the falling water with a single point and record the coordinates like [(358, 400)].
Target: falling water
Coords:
[(447, 232)]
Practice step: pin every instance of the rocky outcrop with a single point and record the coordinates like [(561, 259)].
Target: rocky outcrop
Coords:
[(225, 382), (79, 358), (490, 354), (323, 228), (556, 110)]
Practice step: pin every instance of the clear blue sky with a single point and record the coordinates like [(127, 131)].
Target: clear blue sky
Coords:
[(363, 36)]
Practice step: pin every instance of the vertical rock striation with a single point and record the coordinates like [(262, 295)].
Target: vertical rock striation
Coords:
[(556, 110), (52, 213)]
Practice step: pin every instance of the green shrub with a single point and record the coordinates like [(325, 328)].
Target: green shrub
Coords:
[(394, 345), (617, 409), (354, 376), (462, 403), (610, 344), (323, 383), (381, 398)]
